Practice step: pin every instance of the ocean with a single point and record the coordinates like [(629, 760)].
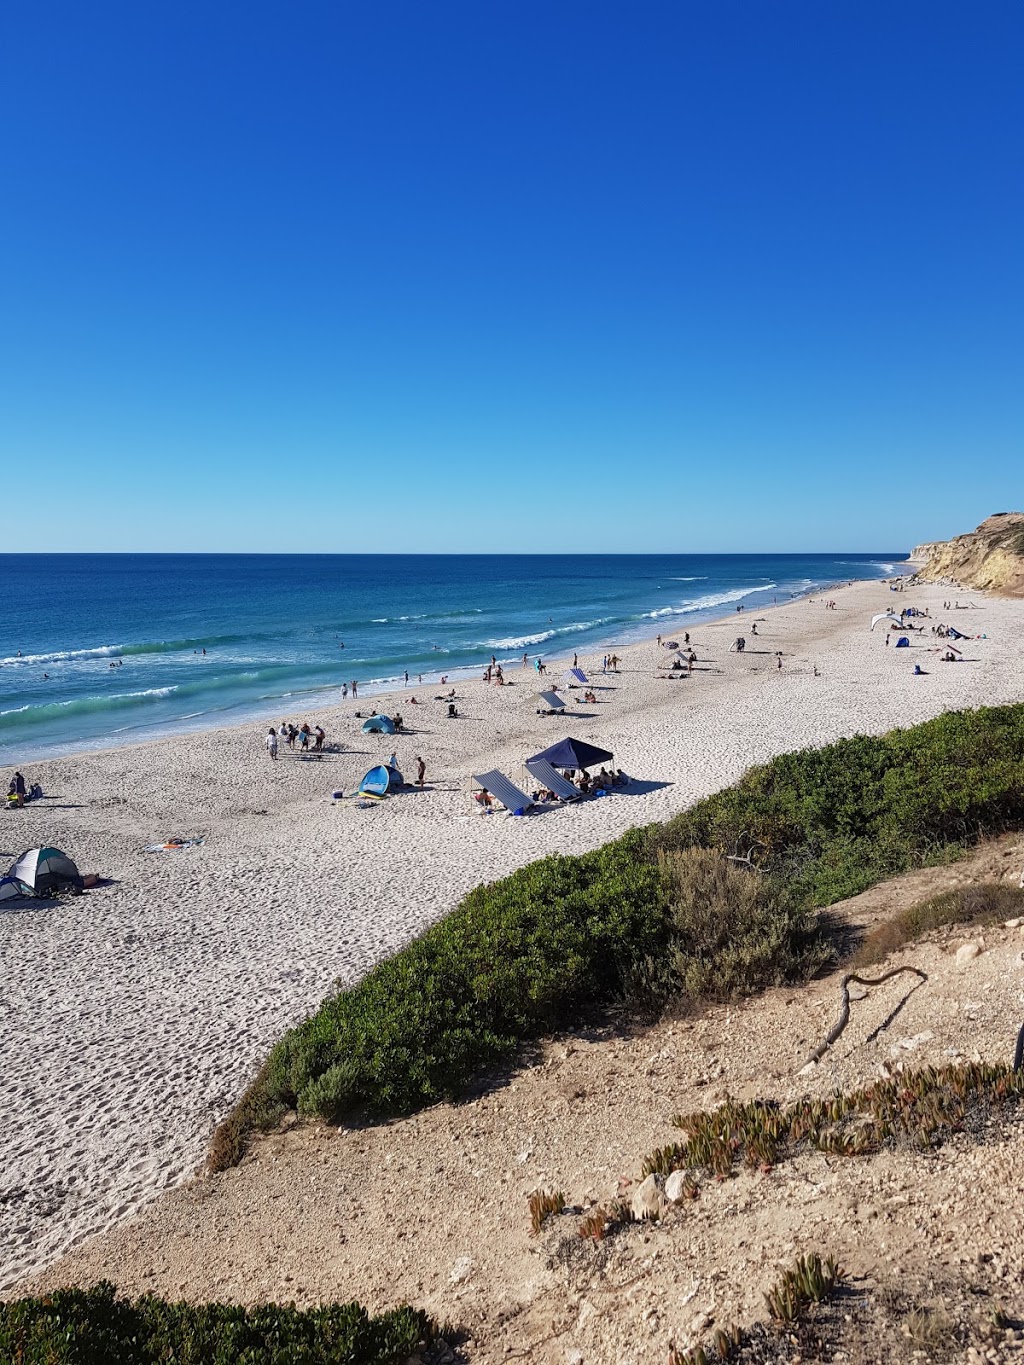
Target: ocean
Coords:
[(99, 650)]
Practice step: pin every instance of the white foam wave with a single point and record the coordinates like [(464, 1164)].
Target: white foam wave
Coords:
[(712, 599), (697, 578), (521, 641), (101, 651)]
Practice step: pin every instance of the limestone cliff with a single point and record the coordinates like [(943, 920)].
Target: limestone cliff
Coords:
[(992, 557)]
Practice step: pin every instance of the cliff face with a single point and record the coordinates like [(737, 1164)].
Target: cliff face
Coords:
[(992, 557)]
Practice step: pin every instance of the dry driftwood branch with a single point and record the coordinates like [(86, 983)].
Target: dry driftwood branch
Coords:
[(844, 1008)]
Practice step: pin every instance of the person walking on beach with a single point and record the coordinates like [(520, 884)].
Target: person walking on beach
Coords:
[(524, 660), (407, 677), (421, 772), (272, 743)]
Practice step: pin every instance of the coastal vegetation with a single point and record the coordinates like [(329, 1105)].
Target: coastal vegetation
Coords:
[(719, 902), (96, 1326)]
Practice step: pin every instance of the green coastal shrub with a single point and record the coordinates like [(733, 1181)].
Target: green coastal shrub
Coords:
[(96, 1327), (834, 821), (657, 917)]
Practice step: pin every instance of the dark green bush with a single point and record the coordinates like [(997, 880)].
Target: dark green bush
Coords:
[(96, 1327), (834, 821), (514, 961), (539, 950)]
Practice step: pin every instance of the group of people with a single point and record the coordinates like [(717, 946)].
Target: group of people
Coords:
[(610, 663), (18, 792), (304, 736), (586, 784)]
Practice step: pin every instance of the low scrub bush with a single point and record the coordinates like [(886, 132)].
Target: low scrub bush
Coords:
[(95, 1327), (986, 903), (731, 932), (657, 916)]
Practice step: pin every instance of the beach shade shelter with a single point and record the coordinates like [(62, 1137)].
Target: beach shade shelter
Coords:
[(547, 701), (575, 675), (571, 753), (956, 634), (903, 643), (379, 725), (504, 791), (554, 781), (885, 616), (43, 871), (380, 780)]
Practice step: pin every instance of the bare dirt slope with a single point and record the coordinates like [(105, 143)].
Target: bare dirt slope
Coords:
[(990, 558), (433, 1209)]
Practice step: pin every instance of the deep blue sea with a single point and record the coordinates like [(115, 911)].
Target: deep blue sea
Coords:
[(281, 633)]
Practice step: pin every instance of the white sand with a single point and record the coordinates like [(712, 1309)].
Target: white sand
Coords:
[(133, 1016)]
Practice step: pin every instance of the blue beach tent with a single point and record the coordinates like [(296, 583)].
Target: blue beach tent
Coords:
[(379, 725), (903, 643), (380, 780), (572, 753)]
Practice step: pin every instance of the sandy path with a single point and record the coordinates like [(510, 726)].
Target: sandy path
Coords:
[(132, 1017)]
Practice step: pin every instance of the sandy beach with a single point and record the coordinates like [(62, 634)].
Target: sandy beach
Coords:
[(132, 1017)]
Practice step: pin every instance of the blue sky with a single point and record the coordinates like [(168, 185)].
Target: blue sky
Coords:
[(470, 276)]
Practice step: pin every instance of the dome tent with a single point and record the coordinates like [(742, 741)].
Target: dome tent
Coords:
[(380, 780), (11, 890), (45, 871), (381, 725)]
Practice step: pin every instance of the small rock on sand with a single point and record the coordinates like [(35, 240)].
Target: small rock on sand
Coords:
[(675, 1187), (649, 1200), (966, 953)]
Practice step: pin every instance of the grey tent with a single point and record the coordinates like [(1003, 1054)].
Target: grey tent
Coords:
[(504, 791), (553, 781), (43, 871), (546, 701)]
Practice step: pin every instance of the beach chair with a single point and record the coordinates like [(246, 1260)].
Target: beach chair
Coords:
[(553, 780), (505, 792)]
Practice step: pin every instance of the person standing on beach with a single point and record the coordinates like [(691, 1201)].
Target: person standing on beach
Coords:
[(421, 771), (407, 677), (524, 660), (272, 743), (355, 688), (344, 691)]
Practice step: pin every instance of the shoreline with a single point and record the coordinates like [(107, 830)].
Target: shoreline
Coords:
[(324, 700), (136, 1014)]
